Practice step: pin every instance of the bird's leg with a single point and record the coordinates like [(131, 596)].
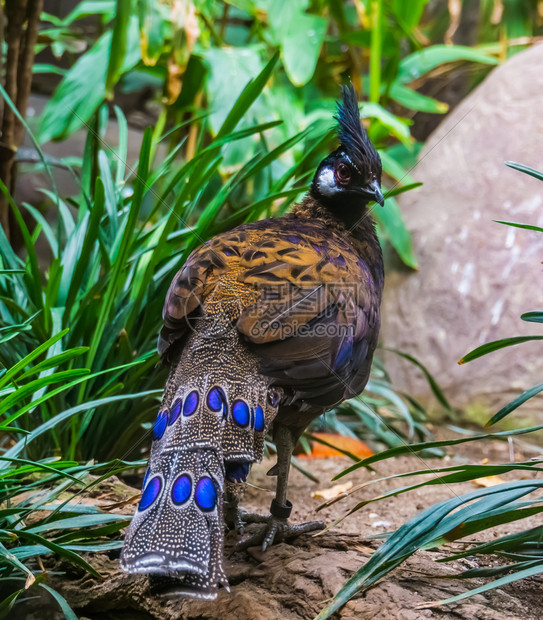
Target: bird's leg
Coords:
[(232, 514), (277, 527)]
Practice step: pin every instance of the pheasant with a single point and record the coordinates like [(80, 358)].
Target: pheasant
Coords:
[(266, 327)]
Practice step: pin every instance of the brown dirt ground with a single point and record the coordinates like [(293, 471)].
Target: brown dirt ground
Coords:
[(294, 580)]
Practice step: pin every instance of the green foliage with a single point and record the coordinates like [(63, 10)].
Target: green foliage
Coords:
[(209, 50), (85, 85), (448, 521), (381, 416), (39, 514)]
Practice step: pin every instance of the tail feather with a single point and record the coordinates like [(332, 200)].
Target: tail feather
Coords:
[(178, 527), (211, 423)]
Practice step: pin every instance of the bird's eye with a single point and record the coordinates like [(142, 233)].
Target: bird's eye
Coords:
[(343, 173)]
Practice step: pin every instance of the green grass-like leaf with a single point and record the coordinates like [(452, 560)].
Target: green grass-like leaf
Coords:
[(423, 530), (414, 448), (489, 347), (514, 404)]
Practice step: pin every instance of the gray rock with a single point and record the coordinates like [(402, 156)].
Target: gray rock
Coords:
[(476, 277)]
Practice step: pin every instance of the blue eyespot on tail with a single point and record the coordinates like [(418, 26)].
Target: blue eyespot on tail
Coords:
[(181, 489), (206, 495), (160, 425), (259, 419), (191, 403), (216, 400), (150, 493), (175, 411), (241, 413)]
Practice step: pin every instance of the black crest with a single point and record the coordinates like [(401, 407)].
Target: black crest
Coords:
[(351, 133)]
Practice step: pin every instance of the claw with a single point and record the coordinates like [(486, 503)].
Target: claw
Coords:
[(277, 530), (270, 534), (274, 471), (238, 524)]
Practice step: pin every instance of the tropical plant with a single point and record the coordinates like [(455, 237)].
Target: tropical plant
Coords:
[(192, 53), (40, 514)]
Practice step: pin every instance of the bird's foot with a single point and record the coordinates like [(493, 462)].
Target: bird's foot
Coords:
[(277, 527)]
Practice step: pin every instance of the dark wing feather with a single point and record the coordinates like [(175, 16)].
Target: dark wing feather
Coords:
[(308, 304)]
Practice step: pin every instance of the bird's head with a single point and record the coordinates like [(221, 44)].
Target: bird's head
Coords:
[(350, 177)]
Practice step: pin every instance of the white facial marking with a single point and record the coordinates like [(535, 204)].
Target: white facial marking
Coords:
[(327, 182)]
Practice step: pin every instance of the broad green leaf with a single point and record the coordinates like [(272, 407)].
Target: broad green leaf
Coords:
[(300, 36), (247, 97), (83, 88), (78, 95), (408, 13), (413, 66), (392, 224), (229, 70), (416, 101)]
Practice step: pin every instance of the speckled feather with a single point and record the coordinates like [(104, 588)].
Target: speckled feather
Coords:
[(214, 415)]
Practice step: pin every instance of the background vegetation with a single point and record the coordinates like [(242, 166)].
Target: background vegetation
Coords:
[(237, 99)]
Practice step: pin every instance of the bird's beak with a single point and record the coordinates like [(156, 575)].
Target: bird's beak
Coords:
[(374, 190)]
